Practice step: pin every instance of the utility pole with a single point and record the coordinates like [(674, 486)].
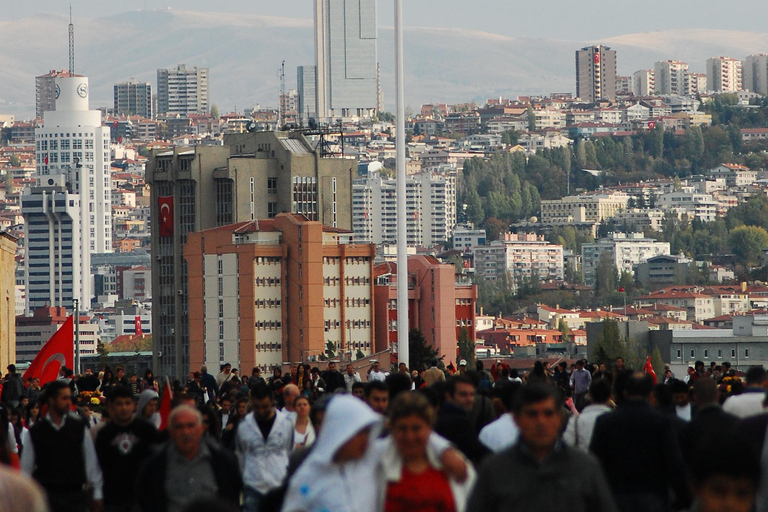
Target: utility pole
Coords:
[(77, 336), (403, 355)]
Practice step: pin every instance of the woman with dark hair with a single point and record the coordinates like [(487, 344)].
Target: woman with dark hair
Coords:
[(108, 382), (31, 414), (539, 375), (149, 382), (303, 431)]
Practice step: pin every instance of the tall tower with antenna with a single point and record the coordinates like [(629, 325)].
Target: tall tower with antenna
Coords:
[(282, 104), (71, 44)]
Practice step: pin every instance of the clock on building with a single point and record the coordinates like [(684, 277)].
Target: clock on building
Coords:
[(82, 90)]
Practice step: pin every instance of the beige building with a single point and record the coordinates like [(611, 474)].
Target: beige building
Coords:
[(253, 176), (596, 73), (669, 77), (643, 82), (724, 74), (592, 208), (8, 298), (754, 73)]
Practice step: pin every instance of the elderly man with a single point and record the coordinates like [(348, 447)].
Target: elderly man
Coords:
[(187, 469), (351, 377), (290, 393)]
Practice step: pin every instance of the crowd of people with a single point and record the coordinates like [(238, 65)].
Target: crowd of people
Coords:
[(576, 437)]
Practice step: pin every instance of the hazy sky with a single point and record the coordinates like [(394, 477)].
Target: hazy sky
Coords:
[(552, 19)]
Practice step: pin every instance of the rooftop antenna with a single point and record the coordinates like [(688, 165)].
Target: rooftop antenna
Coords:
[(281, 76), (71, 44)]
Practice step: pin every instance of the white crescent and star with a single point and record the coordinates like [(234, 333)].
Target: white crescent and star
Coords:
[(165, 211)]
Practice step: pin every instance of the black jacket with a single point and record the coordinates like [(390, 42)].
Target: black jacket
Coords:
[(455, 425), (709, 420), (150, 482)]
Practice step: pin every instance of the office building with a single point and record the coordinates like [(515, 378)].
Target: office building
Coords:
[(520, 256), (754, 73), (133, 99), (45, 91), (669, 77), (273, 290), (32, 332), (430, 208), (306, 84), (346, 58), (596, 73), (624, 251), (724, 74), (7, 299), (643, 82), (253, 176), (182, 91), (68, 211), (438, 306)]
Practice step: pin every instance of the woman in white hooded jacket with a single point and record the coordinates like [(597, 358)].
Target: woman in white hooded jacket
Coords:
[(344, 471)]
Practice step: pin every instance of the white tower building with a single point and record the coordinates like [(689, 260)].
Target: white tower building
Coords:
[(68, 212)]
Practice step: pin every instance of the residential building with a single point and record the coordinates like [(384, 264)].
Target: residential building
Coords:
[(643, 82), (697, 305), (520, 256), (754, 73), (346, 58), (663, 270), (623, 85), (701, 207), (7, 299), (640, 219), (623, 250), (182, 91), (133, 98), (736, 175), (306, 84), (68, 212), (430, 208), (32, 332), (695, 84), (437, 305), (592, 208), (724, 74), (283, 289), (253, 176), (137, 284), (596, 73), (669, 77), (466, 238)]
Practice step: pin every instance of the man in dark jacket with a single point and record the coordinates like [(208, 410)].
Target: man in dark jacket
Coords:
[(208, 382), (333, 378), (540, 472), (188, 468), (709, 421), (454, 421), (639, 451), (13, 387)]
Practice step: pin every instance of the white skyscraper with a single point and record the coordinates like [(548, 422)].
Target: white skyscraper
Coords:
[(724, 74), (346, 58), (68, 213), (182, 91)]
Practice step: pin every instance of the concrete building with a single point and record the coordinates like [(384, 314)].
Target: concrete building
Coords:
[(754, 73), (466, 238), (430, 208), (137, 284), (643, 82), (724, 74), (698, 306), (32, 332), (267, 291), (663, 270), (7, 299), (701, 207), (437, 305), (68, 213), (596, 73), (346, 58), (306, 84), (593, 208), (669, 77), (623, 250), (695, 84), (623, 85), (182, 91), (133, 98), (45, 91), (520, 256), (253, 176)]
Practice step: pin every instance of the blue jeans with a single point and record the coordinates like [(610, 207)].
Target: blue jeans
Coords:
[(252, 500)]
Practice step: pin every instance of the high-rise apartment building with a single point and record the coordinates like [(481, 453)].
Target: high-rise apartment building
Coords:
[(306, 84), (182, 91), (7, 299), (754, 71), (430, 208), (521, 256), (133, 99), (273, 290), (695, 83), (724, 74), (623, 85), (669, 77), (624, 251), (596, 73), (346, 58), (253, 176), (68, 213), (45, 91), (643, 82)]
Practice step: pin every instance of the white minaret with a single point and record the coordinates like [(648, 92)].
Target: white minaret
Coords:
[(73, 157)]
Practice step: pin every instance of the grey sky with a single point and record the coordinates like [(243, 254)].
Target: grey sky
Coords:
[(551, 19)]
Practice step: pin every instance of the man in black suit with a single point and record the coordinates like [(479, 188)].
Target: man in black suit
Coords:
[(454, 421), (639, 452)]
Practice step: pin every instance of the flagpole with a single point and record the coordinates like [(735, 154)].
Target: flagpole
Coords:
[(402, 226), (77, 336)]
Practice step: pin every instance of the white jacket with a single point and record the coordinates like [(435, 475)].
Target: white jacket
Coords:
[(578, 433), (264, 462)]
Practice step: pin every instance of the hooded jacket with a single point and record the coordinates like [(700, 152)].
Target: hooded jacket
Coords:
[(145, 397)]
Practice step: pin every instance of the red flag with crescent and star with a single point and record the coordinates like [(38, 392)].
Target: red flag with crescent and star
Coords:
[(137, 325), (166, 215), (57, 352), (648, 368)]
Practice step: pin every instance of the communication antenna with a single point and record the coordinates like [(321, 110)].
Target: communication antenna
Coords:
[(71, 44), (281, 76)]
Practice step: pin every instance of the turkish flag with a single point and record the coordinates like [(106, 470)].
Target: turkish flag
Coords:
[(46, 159), (165, 405), (648, 368), (651, 125), (166, 215), (597, 58), (137, 325), (57, 352)]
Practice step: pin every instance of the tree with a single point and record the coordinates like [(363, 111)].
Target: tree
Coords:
[(565, 330), (510, 137), (658, 363), (214, 111), (475, 211), (330, 348), (609, 344), (15, 161), (419, 352), (466, 347), (748, 243)]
